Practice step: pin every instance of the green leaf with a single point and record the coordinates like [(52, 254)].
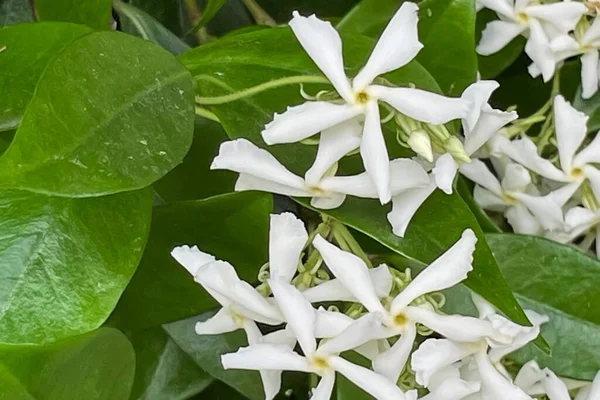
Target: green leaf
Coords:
[(211, 8), (193, 179), (345, 389), (163, 370), (206, 351), (96, 366), (15, 12), (439, 222), (139, 23), (29, 48), (485, 222), (233, 227), (281, 10), (93, 13), (93, 127), (369, 17), (65, 262)]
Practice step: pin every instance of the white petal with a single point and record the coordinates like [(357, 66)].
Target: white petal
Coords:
[(329, 202), (453, 389), (446, 271), (555, 388), (421, 105), (300, 122), (435, 354), (580, 218), (544, 208), (594, 392), (484, 308), (525, 153), (398, 45), (538, 49), (407, 174), (564, 193), (454, 327), (412, 394), (526, 335), (516, 178), (249, 182), (502, 7), (589, 73), (298, 312), (374, 153), (571, 127), (564, 44), (563, 15), (334, 143), (494, 386), (351, 271), (478, 94), (589, 154), (264, 356), (405, 205), (282, 336), (287, 237), (221, 322), (191, 258), (324, 389), (330, 324), (243, 156), (391, 362), (489, 123), (479, 173), (372, 349), (593, 176), (496, 35), (369, 381), (271, 381), (361, 331), (360, 185), (444, 172), (488, 200), (529, 375), (521, 220), (450, 372), (323, 44)]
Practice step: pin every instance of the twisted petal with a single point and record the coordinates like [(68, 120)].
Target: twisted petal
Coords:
[(405, 205), (287, 237), (324, 389), (334, 143), (265, 356), (446, 271), (496, 35), (563, 16), (374, 153), (444, 172), (398, 45), (521, 220), (369, 381), (528, 376), (351, 271), (421, 105), (479, 173), (359, 332), (589, 73), (538, 49), (489, 123), (453, 389), (478, 95), (525, 153), (191, 258), (545, 208), (526, 335), (571, 127), (298, 312), (323, 44), (494, 386), (436, 354), (221, 322), (300, 122), (555, 388), (391, 362)]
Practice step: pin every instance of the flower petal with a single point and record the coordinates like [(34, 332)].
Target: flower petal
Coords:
[(330, 324), (359, 332), (391, 362), (444, 172), (324, 45), (494, 386), (287, 237), (369, 381), (351, 271), (324, 389), (405, 205), (563, 16), (397, 45), (571, 127), (329, 202), (300, 122), (502, 7), (271, 381), (589, 73), (360, 185), (555, 388), (521, 220), (488, 200), (478, 94), (191, 258), (545, 208), (374, 153), (407, 174), (516, 178), (594, 391), (580, 218), (528, 376), (334, 143), (298, 312), (590, 154), (479, 173), (489, 123), (265, 356), (538, 49), (248, 182), (433, 355), (453, 389), (221, 322), (496, 35), (526, 335), (421, 105), (446, 271)]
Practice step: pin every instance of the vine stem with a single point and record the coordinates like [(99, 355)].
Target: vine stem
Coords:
[(203, 112), (288, 80)]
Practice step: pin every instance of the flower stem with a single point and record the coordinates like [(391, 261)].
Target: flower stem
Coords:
[(203, 112), (261, 17), (343, 235)]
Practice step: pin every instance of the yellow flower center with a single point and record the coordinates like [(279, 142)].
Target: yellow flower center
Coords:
[(319, 362), (576, 173), (509, 199), (522, 18), (399, 320), (362, 98)]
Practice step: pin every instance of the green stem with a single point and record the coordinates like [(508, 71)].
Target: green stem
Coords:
[(195, 15), (261, 17), (343, 233), (288, 80), (203, 112)]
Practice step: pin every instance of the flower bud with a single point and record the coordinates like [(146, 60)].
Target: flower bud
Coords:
[(421, 144), (455, 147)]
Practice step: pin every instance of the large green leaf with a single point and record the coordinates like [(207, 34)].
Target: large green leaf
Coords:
[(233, 227), (29, 48), (439, 222), (15, 11), (93, 13), (65, 262), (96, 366), (110, 113), (163, 370)]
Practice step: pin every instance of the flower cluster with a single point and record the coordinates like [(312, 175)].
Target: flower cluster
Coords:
[(385, 312)]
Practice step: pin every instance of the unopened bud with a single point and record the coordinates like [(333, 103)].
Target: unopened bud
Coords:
[(455, 147), (421, 144)]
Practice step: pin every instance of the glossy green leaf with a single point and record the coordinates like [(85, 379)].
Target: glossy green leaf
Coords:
[(33, 46), (591, 107), (211, 8), (206, 351), (465, 190), (65, 262), (163, 370), (15, 12), (93, 13), (96, 366), (369, 17), (139, 23), (193, 179), (5, 140), (252, 60), (233, 227), (93, 127), (170, 14)]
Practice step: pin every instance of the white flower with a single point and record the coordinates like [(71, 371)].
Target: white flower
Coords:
[(570, 133), (538, 22), (259, 170), (324, 359), (579, 221), (591, 392), (536, 381), (397, 46)]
